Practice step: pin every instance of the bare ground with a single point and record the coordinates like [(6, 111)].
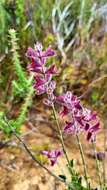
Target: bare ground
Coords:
[(18, 171)]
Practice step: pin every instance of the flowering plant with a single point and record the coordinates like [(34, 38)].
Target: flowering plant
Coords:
[(79, 120)]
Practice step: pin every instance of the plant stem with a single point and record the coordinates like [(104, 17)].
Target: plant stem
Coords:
[(36, 160), (32, 156), (61, 139), (26, 104), (83, 160), (104, 161), (81, 20), (97, 164)]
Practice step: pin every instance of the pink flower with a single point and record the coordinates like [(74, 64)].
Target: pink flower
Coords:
[(81, 118), (38, 58), (38, 47), (34, 68), (64, 111), (69, 128), (84, 119), (72, 127), (51, 70), (92, 131), (48, 53), (39, 81), (38, 53), (41, 84), (89, 115), (51, 87), (69, 101), (51, 97), (31, 53), (52, 155)]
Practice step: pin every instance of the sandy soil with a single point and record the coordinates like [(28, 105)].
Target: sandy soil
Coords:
[(18, 171)]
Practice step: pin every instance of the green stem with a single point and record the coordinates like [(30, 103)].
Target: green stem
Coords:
[(81, 20), (61, 139), (97, 164), (83, 161)]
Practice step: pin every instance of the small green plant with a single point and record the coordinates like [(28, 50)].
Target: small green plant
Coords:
[(21, 87), (4, 20)]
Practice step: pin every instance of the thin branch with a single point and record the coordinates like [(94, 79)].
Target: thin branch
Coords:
[(61, 139), (32, 156), (83, 160)]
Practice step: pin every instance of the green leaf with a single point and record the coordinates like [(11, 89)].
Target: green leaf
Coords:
[(94, 96), (63, 177), (71, 163)]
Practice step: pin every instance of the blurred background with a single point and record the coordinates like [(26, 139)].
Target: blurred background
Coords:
[(77, 30)]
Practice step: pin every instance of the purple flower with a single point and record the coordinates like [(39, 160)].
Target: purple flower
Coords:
[(51, 87), (51, 97), (38, 60), (72, 127), (52, 155), (38, 47), (39, 81), (31, 53), (101, 156), (69, 128), (87, 126), (41, 84), (64, 111), (94, 128), (38, 53), (48, 53), (81, 118), (51, 70), (88, 115), (69, 101), (91, 132), (34, 68)]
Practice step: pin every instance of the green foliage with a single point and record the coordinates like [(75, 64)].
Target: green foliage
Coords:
[(94, 96), (20, 86), (41, 17), (63, 177), (19, 11), (76, 183), (27, 103), (4, 21), (17, 123), (23, 86), (4, 125)]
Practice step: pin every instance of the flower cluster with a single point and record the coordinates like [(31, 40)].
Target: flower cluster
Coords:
[(43, 74), (81, 119), (52, 155)]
